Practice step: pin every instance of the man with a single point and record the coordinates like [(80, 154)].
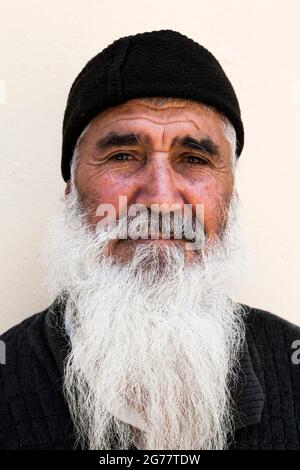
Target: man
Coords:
[(144, 346)]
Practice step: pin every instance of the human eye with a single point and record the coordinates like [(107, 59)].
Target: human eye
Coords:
[(122, 156), (193, 159)]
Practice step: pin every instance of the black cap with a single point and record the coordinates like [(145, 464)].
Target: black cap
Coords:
[(158, 63)]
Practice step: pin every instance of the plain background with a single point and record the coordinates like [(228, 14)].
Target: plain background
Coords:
[(44, 45)]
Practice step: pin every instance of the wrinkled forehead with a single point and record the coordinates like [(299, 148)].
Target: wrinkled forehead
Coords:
[(166, 118)]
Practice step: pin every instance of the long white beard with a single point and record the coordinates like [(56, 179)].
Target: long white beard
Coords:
[(164, 344)]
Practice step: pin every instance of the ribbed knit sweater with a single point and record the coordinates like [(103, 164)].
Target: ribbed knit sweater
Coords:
[(34, 414)]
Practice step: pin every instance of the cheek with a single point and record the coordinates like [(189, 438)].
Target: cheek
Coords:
[(211, 214), (213, 199), (104, 190)]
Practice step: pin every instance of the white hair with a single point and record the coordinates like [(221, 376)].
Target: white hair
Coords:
[(75, 157)]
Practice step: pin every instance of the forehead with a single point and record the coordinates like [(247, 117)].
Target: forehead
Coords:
[(171, 117)]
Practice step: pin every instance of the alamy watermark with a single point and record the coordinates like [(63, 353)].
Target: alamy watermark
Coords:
[(160, 221), (296, 354), (2, 352)]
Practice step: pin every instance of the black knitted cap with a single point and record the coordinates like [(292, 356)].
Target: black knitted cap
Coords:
[(158, 63)]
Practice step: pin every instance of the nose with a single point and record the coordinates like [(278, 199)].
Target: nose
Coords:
[(160, 184)]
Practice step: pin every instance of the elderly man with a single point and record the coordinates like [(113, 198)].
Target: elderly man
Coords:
[(144, 346)]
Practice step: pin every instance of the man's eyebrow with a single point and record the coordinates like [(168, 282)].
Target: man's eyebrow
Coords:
[(206, 144), (116, 139)]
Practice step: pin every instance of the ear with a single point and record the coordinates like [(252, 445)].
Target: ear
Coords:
[(68, 187)]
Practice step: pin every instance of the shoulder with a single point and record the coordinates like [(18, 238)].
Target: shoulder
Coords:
[(31, 399), (16, 343), (274, 346), (272, 339), (266, 326), (20, 371), (18, 330)]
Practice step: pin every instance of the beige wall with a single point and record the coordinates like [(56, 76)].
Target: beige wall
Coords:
[(43, 45)]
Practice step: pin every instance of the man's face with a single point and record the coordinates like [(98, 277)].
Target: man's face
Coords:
[(177, 154)]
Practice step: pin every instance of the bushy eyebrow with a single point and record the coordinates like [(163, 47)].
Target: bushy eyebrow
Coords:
[(116, 139), (206, 144)]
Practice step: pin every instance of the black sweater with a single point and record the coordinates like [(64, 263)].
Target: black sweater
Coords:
[(34, 414)]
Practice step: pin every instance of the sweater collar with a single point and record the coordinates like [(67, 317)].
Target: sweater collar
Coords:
[(248, 394)]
